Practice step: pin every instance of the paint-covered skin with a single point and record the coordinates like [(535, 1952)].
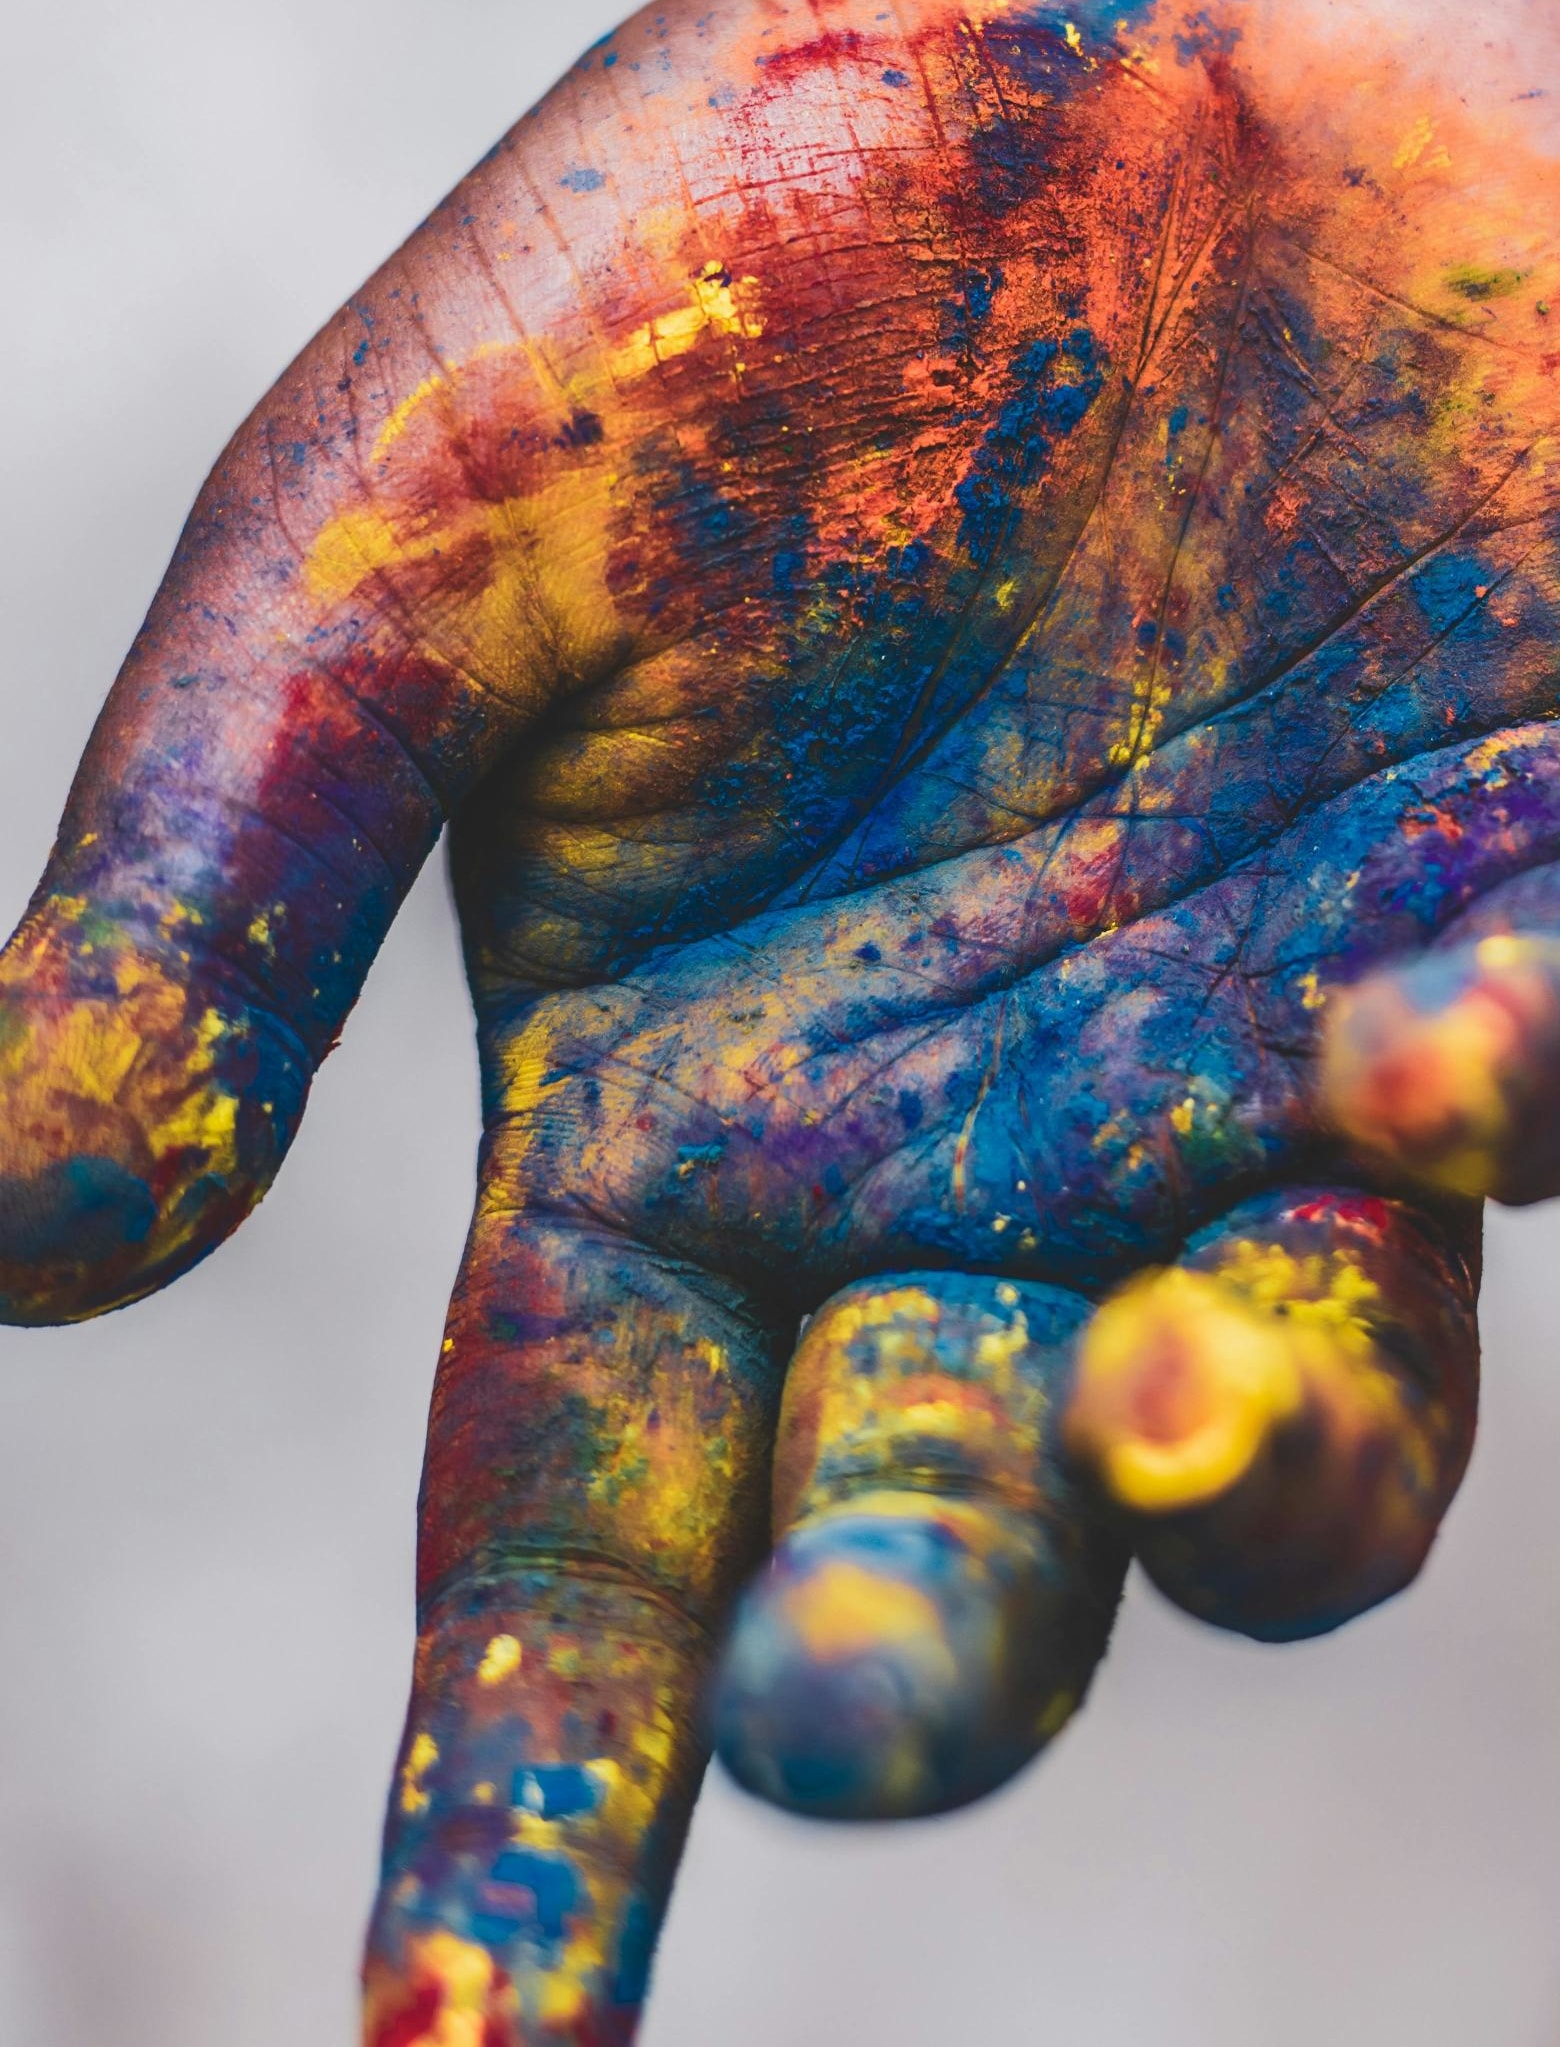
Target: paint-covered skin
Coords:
[(912, 1645), (978, 586)]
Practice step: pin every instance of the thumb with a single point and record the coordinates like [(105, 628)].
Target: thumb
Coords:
[(348, 636)]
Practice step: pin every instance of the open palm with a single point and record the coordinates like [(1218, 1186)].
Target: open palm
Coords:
[(957, 575)]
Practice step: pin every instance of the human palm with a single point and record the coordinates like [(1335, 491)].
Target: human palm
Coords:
[(957, 574)]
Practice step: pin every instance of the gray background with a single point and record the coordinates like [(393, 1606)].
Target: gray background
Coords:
[(206, 1503)]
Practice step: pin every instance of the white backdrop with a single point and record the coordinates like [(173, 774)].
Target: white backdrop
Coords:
[(206, 1503)]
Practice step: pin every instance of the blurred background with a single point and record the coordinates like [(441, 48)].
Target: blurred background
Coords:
[(206, 1503)]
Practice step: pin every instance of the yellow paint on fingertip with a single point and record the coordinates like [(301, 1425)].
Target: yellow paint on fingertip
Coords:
[(1326, 1292), (421, 1757), (561, 2000), (1414, 149), (500, 1659), (842, 1609), (1058, 1710), (352, 547), (1310, 987), (206, 1119), (262, 926), (1503, 950), (1180, 1382), (718, 303), (654, 1742), (401, 418), (1156, 1478), (465, 1973), (998, 1351)]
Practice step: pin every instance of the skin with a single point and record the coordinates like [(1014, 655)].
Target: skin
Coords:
[(978, 591)]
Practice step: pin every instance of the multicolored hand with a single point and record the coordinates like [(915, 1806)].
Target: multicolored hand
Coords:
[(980, 591)]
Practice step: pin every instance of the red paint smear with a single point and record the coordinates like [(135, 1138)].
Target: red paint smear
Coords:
[(496, 2032), (1360, 1211), (823, 51), (413, 2024)]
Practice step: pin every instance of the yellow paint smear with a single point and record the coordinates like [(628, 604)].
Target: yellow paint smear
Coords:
[(421, 1757), (500, 1660), (717, 304)]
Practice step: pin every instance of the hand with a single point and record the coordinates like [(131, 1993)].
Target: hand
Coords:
[(828, 794)]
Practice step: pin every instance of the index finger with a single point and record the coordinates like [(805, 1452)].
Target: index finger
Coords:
[(595, 1490)]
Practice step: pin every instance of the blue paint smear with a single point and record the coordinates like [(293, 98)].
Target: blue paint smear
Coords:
[(1017, 448), (86, 1207), (556, 1791), (1202, 36), (552, 1883), (636, 1951), (1445, 585)]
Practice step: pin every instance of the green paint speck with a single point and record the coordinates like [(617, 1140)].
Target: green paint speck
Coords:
[(1470, 282)]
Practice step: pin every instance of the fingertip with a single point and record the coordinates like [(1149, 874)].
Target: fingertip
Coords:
[(1279, 1423), (1180, 1383), (140, 1122), (1449, 1067), (1187, 1398), (89, 1233), (894, 1661)]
